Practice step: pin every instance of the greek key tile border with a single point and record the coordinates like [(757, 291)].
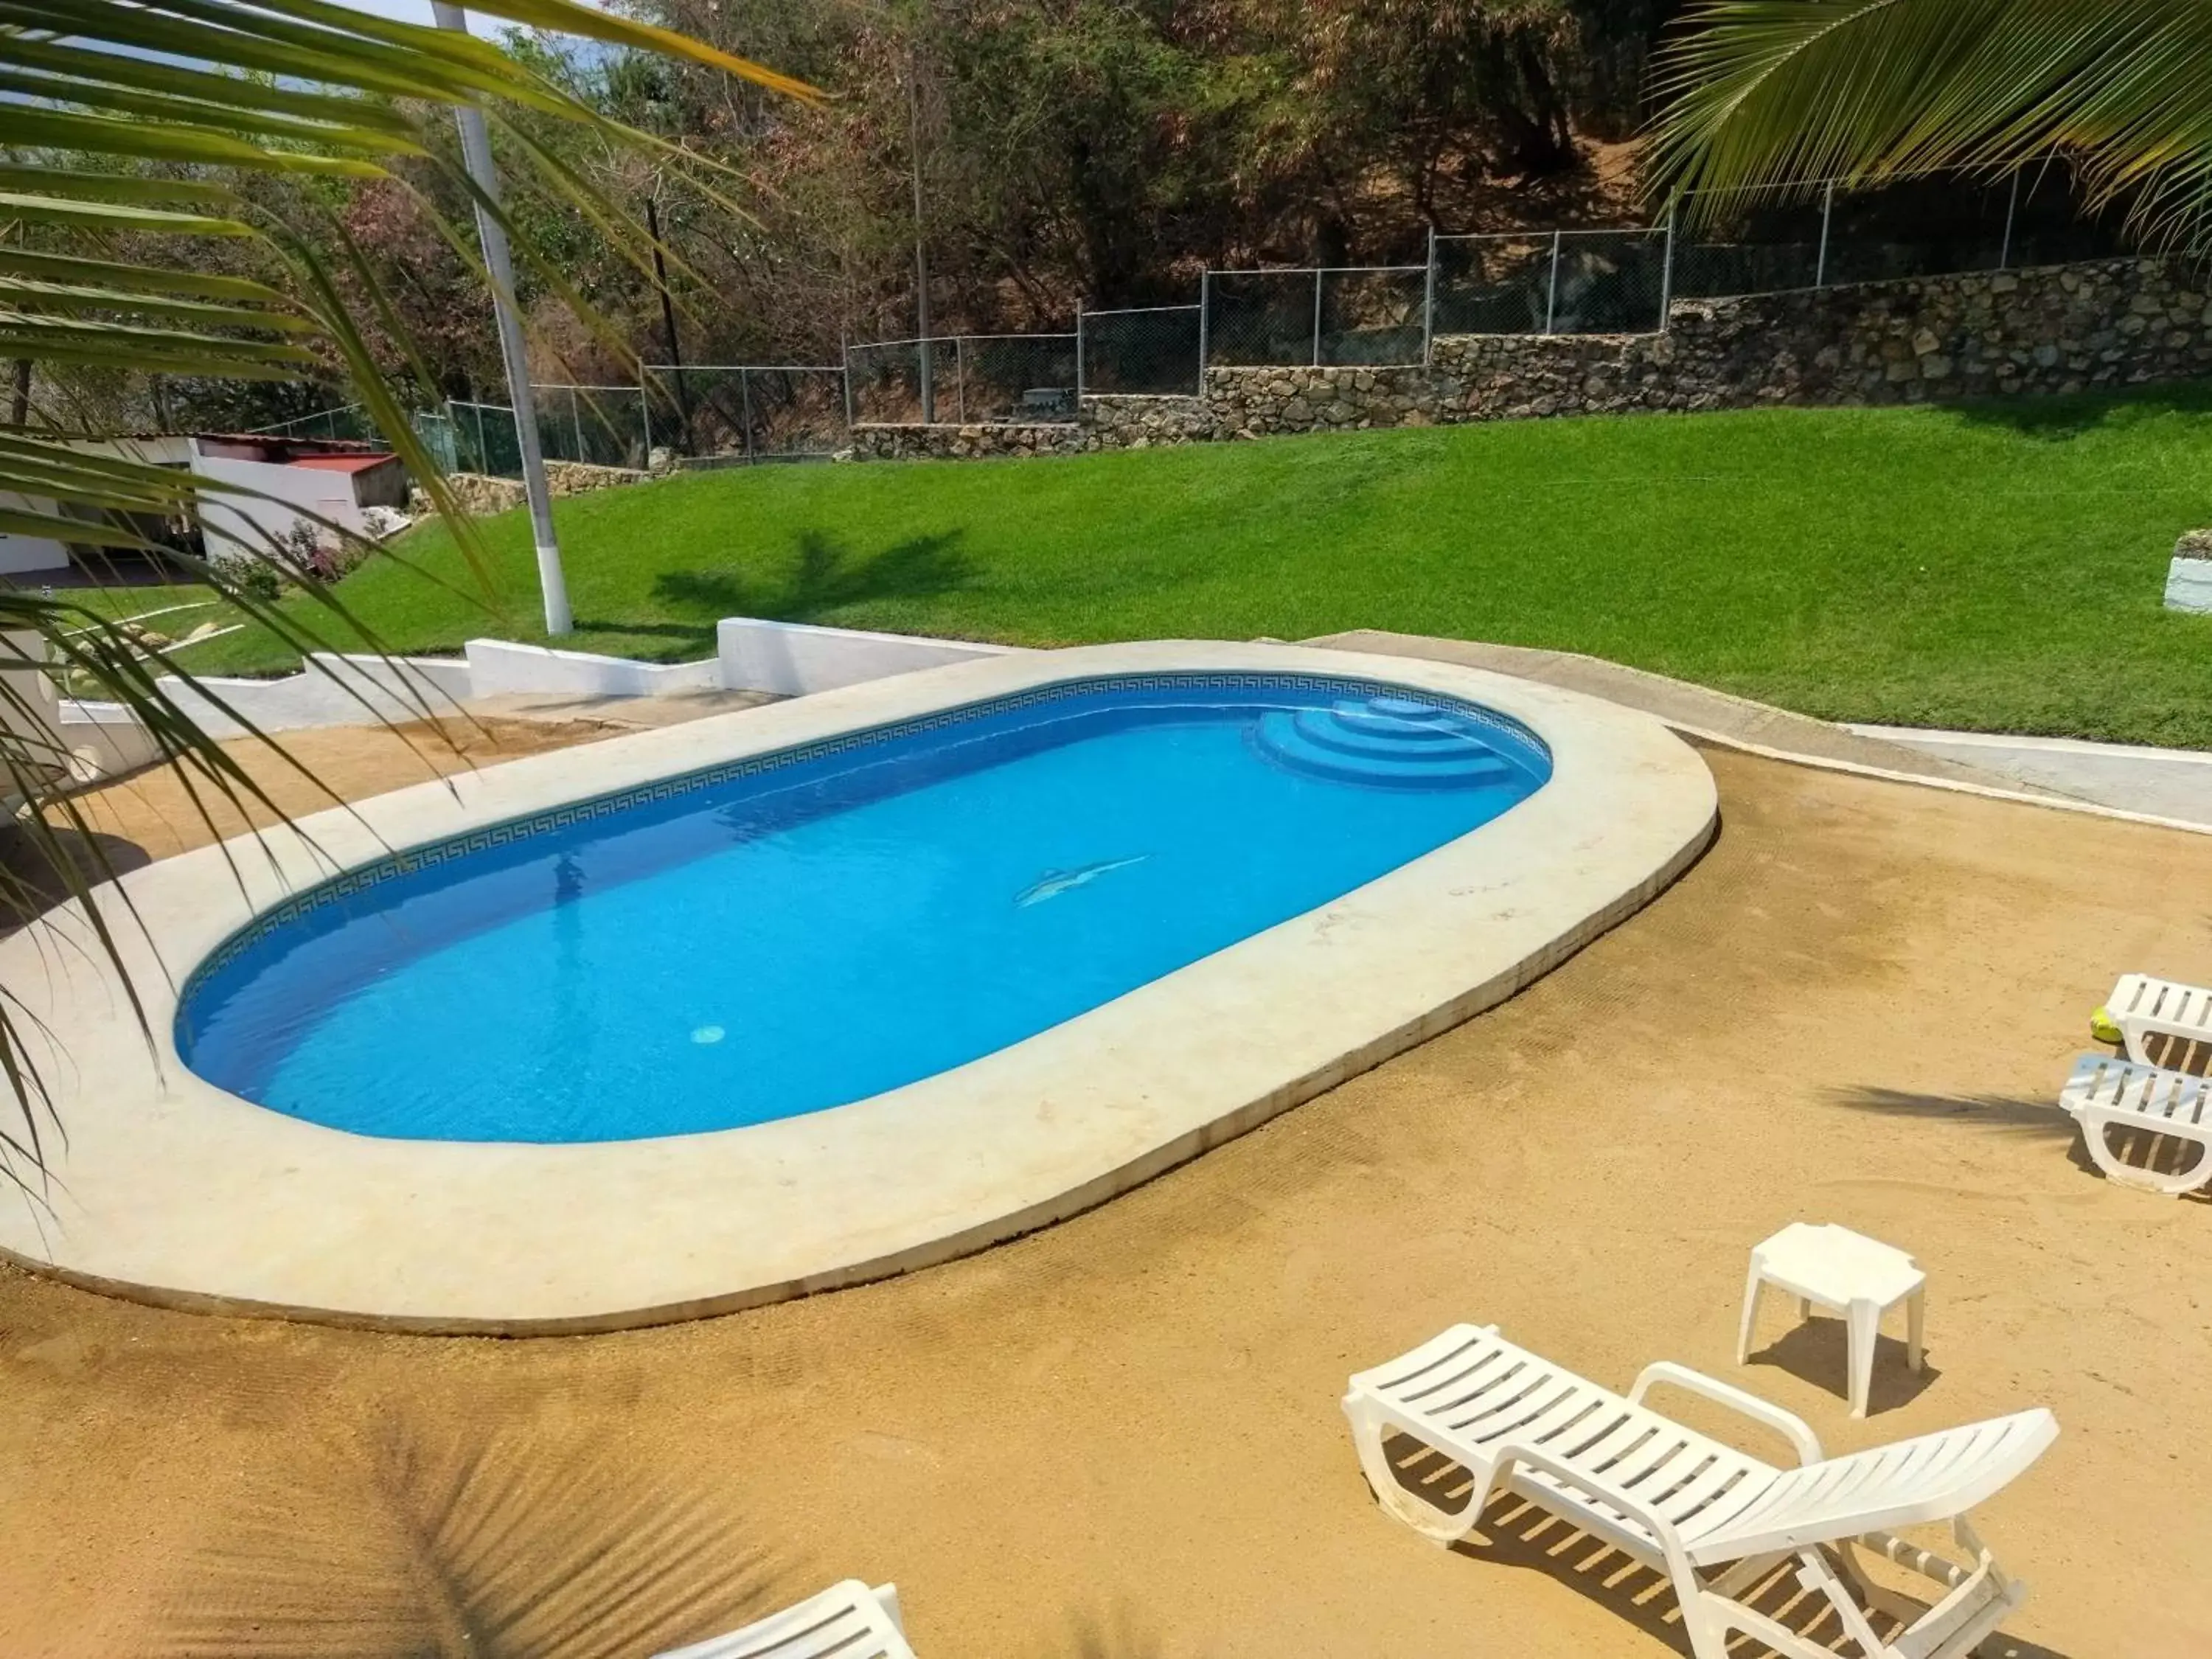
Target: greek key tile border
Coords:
[(409, 861)]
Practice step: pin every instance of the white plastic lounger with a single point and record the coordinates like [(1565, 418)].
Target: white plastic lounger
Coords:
[(2105, 1094), (846, 1621), (1716, 1522), (2143, 1007)]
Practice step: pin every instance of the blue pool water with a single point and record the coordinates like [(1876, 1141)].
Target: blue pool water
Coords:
[(775, 938)]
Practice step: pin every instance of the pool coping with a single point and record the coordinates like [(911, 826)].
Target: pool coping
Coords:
[(171, 1190)]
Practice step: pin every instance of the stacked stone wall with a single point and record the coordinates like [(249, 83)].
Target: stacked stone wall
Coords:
[(2057, 328)]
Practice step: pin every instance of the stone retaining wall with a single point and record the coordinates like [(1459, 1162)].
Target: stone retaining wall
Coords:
[(479, 493), (2056, 328)]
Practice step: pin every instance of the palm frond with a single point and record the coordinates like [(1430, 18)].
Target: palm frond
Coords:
[(139, 139), (1761, 92)]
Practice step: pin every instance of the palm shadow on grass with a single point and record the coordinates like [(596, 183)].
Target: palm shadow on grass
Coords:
[(821, 578), (405, 1545)]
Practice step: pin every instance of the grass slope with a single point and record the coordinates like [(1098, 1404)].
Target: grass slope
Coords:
[(1993, 566)]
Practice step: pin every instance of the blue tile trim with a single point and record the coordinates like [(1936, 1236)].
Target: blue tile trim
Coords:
[(363, 877)]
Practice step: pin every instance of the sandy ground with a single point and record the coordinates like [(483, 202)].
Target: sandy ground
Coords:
[(1120, 1437)]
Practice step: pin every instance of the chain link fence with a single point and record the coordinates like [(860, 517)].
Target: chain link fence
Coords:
[(1570, 282), (965, 380), (1773, 238), (747, 412), (484, 439), (1364, 315), (1768, 240), (350, 423), (596, 425), (1140, 351)]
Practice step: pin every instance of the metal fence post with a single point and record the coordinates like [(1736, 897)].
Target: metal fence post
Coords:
[(576, 423), (1317, 341), (845, 354), (1078, 354), (1205, 317), (1666, 273), (1429, 302), (960, 379), (1827, 212), (1552, 289), (645, 412), (2012, 207), (745, 405)]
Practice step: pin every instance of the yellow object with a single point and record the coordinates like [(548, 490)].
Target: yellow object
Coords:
[(2102, 1028)]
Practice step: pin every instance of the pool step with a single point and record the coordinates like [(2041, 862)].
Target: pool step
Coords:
[(1385, 741)]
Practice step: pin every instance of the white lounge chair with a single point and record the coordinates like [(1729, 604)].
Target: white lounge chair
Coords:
[(847, 1621), (2105, 1094), (1716, 1522), (2143, 1007)]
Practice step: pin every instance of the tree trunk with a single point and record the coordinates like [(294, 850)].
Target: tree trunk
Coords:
[(19, 406)]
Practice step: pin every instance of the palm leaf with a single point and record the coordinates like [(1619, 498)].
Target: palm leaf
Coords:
[(131, 132), (1762, 92)]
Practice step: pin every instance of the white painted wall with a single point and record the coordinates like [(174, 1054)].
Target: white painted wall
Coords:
[(787, 658), (331, 690), (105, 739), (23, 554), (498, 667), (249, 522), (792, 658)]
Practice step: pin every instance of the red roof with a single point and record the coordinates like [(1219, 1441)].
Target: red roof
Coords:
[(342, 463)]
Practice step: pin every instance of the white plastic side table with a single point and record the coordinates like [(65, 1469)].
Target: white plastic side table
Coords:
[(1844, 1273)]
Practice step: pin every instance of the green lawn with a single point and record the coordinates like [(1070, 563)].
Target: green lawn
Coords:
[(1995, 566)]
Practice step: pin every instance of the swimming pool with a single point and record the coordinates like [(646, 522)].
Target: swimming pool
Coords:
[(803, 930)]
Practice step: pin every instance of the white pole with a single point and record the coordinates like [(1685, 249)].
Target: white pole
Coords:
[(476, 152)]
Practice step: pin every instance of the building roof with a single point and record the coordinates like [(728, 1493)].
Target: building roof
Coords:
[(343, 462)]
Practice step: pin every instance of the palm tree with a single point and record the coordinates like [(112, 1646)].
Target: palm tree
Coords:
[(166, 173), (1861, 91)]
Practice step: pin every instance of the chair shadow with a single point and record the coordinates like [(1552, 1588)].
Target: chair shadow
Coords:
[(1817, 1350), (2043, 1119), (1512, 1532)]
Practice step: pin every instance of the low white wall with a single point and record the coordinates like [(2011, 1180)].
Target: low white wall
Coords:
[(785, 658), (105, 739), (792, 658), (2189, 584), (331, 690), (497, 666)]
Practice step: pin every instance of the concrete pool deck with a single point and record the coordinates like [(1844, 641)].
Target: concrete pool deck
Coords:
[(1119, 1439), (171, 1189)]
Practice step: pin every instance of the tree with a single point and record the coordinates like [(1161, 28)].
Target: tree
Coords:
[(176, 173), (1863, 91)]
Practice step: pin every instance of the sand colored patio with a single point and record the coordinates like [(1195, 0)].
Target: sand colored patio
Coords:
[(1120, 1437)]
